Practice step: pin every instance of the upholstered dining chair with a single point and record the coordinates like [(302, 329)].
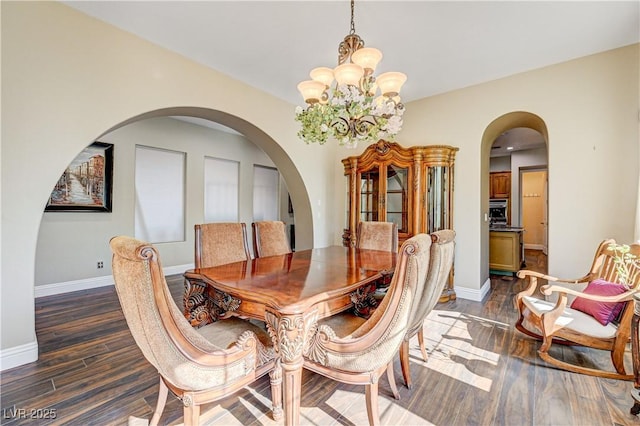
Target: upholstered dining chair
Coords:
[(198, 366), (440, 263), (362, 356), (270, 238), (215, 244), (377, 236), (220, 243), (599, 317), (382, 236)]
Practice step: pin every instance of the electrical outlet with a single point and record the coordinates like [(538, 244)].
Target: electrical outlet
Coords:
[(100, 264)]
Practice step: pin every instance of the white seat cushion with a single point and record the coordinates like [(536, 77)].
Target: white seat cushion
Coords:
[(572, 319)]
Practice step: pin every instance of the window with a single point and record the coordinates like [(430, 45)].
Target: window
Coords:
[(221, 190), (159, 195), (265, 193)]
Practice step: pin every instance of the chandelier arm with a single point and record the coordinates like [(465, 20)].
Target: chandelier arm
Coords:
[(362, 126), (342, 127)]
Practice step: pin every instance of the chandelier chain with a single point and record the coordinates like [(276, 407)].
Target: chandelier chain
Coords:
[(353, 25)]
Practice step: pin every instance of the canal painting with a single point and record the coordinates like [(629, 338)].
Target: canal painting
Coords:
[(85, 185)]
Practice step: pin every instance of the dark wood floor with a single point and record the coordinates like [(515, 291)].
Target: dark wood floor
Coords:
[(480, 372)]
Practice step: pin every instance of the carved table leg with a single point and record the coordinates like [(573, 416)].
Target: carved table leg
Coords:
[(204, 305), (197, 305), (635, 354), (289, 334), (364, 301)]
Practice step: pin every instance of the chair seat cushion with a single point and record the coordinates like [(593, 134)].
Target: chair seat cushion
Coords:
[(604, 312), (572, 319), (344, 323), (225, 332)]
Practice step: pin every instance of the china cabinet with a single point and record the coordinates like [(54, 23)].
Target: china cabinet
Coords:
[(412, 187)]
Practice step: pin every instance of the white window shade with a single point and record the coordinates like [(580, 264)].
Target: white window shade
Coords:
[(265, 193), (221, 183), (160, 195)]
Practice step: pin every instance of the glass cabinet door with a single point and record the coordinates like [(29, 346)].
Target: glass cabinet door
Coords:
[(369, 186), (396, 197), (411, 187), (437, 199)]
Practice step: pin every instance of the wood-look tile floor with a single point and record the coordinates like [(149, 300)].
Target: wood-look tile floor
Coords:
[(480, 371)]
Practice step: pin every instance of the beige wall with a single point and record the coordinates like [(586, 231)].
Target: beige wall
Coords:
[(70, 244), (67, 79), (590, 109), (500, 164)]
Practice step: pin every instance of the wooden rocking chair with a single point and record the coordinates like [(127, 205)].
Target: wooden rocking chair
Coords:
[(560, 323)]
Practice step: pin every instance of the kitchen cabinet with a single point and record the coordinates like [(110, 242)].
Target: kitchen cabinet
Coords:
[(506, 249), (411, 187), (500, 185)]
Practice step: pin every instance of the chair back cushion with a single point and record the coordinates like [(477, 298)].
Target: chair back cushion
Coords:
[(270, 239), (603, 312), (440, 263), (377, 236), (220, 243)]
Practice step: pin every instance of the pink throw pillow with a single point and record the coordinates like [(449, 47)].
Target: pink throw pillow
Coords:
[(603, 312)]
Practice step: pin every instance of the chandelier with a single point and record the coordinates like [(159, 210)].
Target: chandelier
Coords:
[(351, 111)]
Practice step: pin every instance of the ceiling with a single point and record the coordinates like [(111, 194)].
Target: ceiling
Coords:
[(517, 139), (440, 45)]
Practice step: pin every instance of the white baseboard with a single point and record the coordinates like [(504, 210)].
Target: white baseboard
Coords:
[(95, 282), (178, 269), (18, 355), (24, 354), (69, 286), (473, 294)]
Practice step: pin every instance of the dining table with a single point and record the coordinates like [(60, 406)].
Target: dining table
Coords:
[(290, 293)]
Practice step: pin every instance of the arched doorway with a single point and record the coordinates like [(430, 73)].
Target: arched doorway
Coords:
[(88, 235), (518, 122), (295, 185)]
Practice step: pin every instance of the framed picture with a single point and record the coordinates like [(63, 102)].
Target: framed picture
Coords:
[(86, 183)]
